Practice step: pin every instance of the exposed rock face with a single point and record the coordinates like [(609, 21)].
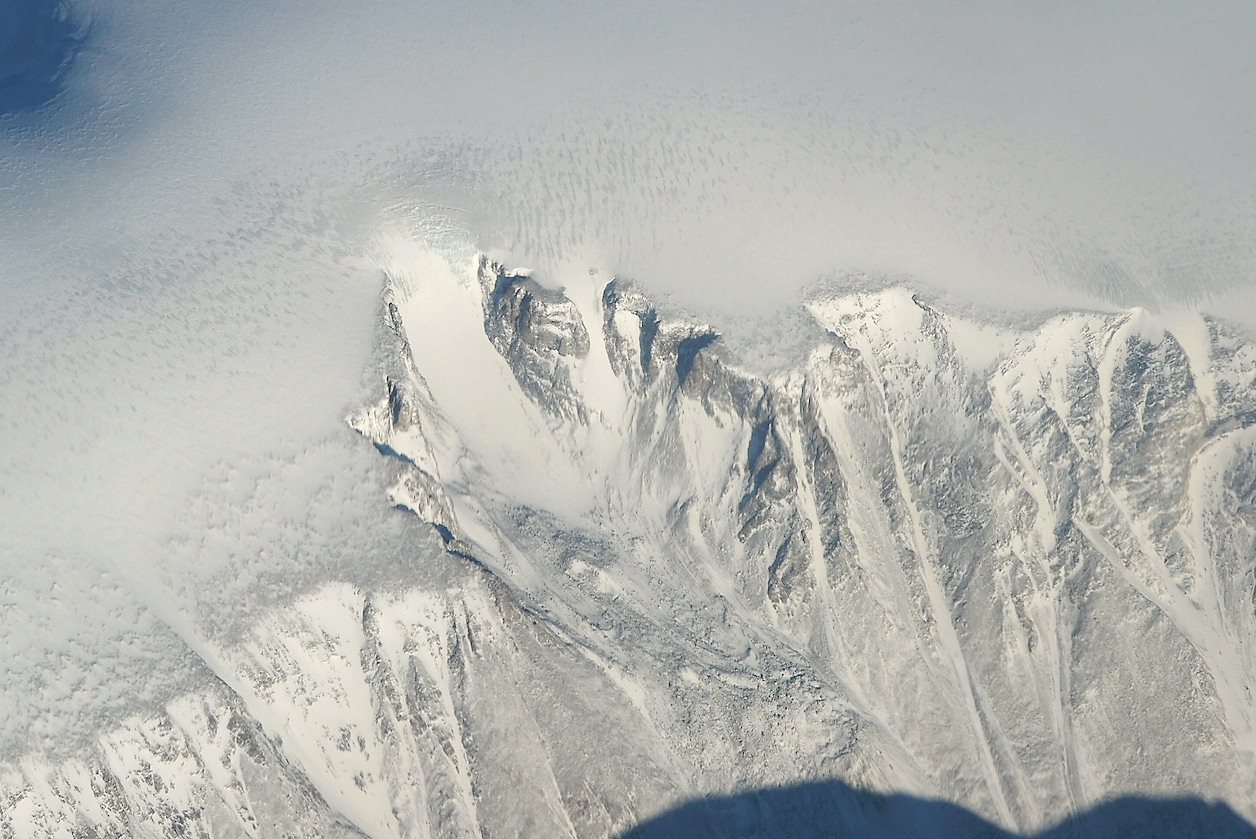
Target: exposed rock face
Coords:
[(1008, 565), (539, 332)]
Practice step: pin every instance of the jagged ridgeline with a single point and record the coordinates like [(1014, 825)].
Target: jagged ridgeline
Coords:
[(945, 558), (1007, 563)]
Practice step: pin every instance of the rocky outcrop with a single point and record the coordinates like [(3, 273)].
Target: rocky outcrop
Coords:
[(1009, 564)]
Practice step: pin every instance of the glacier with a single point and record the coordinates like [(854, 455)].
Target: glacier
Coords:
[(945, 552)]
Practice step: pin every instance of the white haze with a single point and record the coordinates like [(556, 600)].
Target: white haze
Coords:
[(188, 292)]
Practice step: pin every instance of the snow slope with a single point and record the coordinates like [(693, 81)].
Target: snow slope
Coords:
[(1003, 562)]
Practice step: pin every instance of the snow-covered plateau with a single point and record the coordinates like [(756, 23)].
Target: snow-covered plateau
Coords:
[(1006, 563)]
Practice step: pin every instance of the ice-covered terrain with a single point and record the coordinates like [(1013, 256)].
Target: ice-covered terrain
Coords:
[(546, 553), (1006, 563)]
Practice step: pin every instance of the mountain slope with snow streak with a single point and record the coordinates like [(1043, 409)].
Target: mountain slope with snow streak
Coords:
[(1004, 563)]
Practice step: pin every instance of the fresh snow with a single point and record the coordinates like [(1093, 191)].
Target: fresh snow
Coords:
[(955, 497)]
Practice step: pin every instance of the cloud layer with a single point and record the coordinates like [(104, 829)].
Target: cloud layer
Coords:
[(187, 291)]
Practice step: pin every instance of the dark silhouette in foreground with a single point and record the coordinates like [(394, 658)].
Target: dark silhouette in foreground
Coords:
[(831, 809)]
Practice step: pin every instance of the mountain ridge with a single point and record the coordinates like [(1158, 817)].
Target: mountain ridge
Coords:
[(989, 563)]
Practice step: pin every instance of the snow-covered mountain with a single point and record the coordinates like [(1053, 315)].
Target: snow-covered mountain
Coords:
[(1007, 563)]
